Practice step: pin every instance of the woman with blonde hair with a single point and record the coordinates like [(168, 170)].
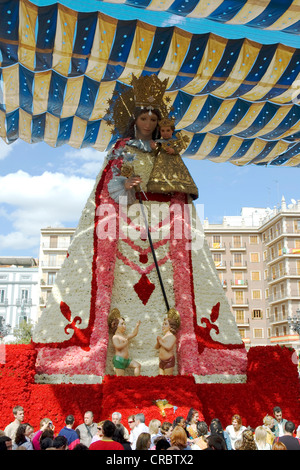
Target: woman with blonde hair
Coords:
[(179, 439), (261, 438), (154, 429), (268, 423)]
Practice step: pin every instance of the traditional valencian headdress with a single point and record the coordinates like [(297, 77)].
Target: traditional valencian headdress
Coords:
[(146, 92)]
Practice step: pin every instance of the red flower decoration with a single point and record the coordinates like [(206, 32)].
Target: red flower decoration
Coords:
[(144, 288)]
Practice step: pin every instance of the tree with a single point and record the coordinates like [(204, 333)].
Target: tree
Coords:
[(23, 333)]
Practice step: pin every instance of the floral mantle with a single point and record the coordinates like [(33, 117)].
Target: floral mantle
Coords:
[(270, 369)]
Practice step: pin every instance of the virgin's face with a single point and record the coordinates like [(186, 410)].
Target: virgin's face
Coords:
[(145, 125)]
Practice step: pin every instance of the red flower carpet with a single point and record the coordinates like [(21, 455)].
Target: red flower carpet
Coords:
[(272, 379)]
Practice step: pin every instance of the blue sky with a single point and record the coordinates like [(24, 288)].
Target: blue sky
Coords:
[(42, 186)]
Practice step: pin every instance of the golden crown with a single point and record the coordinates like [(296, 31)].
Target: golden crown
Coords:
[(167, 121), (149, 91), (145, 92)]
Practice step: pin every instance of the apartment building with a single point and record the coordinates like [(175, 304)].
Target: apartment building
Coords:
[(19, 286), (54, 244), (237, 250), (257, 256), (281, 243)]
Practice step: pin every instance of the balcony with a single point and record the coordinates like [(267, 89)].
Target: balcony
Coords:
[(4, 303), (278, 318), (53, 248), (240, 303), (278, 297), (220, 264), (217, 246), (242, 322), (238, 264), (239, 284), (237, 246), (24, 302)]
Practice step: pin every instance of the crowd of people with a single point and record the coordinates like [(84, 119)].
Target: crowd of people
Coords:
[(185, 433)]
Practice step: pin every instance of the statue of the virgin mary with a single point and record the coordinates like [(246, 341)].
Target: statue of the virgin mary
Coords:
[(142, 253)]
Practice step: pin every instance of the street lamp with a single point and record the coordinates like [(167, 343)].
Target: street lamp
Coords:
[(294, 321)]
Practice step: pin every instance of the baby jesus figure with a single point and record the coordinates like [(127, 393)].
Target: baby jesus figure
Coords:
[(166, 344), (170, 174)]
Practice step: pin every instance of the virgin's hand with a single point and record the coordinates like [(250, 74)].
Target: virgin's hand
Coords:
[(132, 181)]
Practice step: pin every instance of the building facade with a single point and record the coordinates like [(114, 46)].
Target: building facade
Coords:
[(257, 256), (54, 244), (19, 290)]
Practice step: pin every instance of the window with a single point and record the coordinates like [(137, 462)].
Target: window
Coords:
[(243, 333), (255, 276), (25, 294), (51, 278), (52, 260), (296, 226), (216, 241), (237, 259), (2, 296), (258, 333), (217, 259), (256, 294), (257, 314), (239, 278), (237, 241), (239, 297), (254, 257), (240, 316), (253, 240), (53, 241)]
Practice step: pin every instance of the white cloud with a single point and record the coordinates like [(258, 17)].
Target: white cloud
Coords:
[(6, 149), (35, 202), (86, 162)]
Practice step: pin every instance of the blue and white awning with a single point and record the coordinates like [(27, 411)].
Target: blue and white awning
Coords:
[(236, 99)]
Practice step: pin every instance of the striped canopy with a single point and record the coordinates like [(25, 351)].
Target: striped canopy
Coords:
[(276, 15), (236, 99)]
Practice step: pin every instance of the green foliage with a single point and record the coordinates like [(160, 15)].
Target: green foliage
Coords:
[(23, 333)]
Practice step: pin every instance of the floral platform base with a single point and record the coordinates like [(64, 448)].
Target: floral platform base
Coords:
[(272, 379)]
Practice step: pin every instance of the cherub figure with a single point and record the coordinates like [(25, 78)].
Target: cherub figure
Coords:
[(120, 340), (166, 344)]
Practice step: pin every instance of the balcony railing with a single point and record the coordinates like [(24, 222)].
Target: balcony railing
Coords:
[(238, 264), (237, 246), (239, 302), (278, 318), (239, 283)]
